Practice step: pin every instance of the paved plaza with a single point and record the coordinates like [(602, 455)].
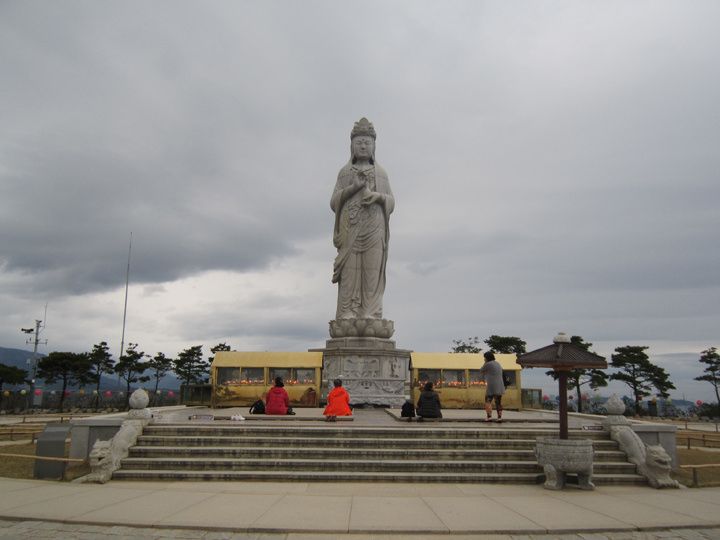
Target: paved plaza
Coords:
[(66, 531), (336, 509)]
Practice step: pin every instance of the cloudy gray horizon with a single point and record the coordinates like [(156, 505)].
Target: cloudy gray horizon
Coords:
[(555, 167)]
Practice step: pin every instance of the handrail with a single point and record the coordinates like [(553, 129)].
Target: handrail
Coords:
[(33, 431), (696, 467), (698, 436), (44, 458)]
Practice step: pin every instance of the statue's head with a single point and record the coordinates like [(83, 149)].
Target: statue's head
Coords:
[(362, 141)]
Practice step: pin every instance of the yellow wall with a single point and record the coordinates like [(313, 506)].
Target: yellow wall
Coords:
[(465, 395), (452, 396), (240, 394)]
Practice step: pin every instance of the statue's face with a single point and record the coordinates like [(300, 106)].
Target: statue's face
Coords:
[(363, 147)]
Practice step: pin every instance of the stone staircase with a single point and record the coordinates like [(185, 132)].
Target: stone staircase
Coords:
[(336, 453)]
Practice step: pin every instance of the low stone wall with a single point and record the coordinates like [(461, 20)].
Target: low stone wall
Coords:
[(662, 434), (86, 431)]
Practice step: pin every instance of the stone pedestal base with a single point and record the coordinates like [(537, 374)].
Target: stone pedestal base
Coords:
[(372, 370), (561, 456)]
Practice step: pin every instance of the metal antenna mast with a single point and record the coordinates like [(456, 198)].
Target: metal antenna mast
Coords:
[(35, 340), (127, 282)]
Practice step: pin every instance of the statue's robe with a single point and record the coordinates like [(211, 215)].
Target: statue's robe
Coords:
[(361, 237)]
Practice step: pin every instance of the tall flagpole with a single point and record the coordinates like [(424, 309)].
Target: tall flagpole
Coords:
[(127, 282)]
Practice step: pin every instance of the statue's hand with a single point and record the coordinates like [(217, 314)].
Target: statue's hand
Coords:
[(371, 197), (358, 184)]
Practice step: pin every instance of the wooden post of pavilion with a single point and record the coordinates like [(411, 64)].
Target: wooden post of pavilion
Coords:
[(562, 380)]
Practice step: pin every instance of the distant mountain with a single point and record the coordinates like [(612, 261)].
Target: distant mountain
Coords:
[(16, 357), (20, 359)]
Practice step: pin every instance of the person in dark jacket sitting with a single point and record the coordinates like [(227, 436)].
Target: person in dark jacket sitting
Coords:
[(428, 405)]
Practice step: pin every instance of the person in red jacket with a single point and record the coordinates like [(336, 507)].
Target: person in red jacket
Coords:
[(338, 403), (277, 400)]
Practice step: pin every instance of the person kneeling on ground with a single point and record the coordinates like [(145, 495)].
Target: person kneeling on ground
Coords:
[(277, 400), (428, 405), (338, 403)]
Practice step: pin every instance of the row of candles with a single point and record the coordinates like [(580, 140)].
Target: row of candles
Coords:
[(450, 384), (288, 382)]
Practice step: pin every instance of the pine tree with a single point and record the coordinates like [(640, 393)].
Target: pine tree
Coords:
[(160, 365), (639, 374), (101, 362), (466, 346), (506, 344), (131, 367), (190, 366), (711, 359), (11, 375), (67, 367)]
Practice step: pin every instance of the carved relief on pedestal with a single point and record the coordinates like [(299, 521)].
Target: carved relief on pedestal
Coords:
[(369, 367), (371, 378)]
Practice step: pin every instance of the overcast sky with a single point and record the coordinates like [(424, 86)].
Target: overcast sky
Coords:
[(555, 168)]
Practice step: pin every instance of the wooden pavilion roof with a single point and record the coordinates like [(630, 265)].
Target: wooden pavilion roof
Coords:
[(562, 356)]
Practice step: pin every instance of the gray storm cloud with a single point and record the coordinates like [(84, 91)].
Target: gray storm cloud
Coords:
[(555, 165)]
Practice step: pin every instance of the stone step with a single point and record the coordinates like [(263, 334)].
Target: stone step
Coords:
[(359, 453), (350, 442), (358, 465), (496, 431), (324, 476), (330, 476)]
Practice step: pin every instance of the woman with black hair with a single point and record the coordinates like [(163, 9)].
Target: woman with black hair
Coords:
[(428, 405), (277, 400)]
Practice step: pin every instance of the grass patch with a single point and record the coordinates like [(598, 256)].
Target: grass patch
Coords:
[(24, 468), (706, 477), (14, 467)]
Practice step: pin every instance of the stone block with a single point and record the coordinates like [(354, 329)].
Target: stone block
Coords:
[(373, 371)]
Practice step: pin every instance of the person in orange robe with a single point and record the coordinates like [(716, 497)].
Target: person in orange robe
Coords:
[(338, 403)]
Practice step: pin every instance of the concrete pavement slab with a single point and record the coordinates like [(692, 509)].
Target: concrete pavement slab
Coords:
[(38, 494), (479, 514), (709, 495), (559, 515), (501, 490), (372, 489), (148, 509), (10, 485), (399, 514), (138, 485), (269, 488), (223, 510), (630, 510), (675, 502), (76, 504), (313, 513)]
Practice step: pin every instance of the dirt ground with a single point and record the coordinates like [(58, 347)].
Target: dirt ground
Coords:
[(13, 467), (696, 456), (17, 467)]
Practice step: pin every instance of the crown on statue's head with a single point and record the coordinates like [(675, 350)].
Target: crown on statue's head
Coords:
[(363, 127)]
